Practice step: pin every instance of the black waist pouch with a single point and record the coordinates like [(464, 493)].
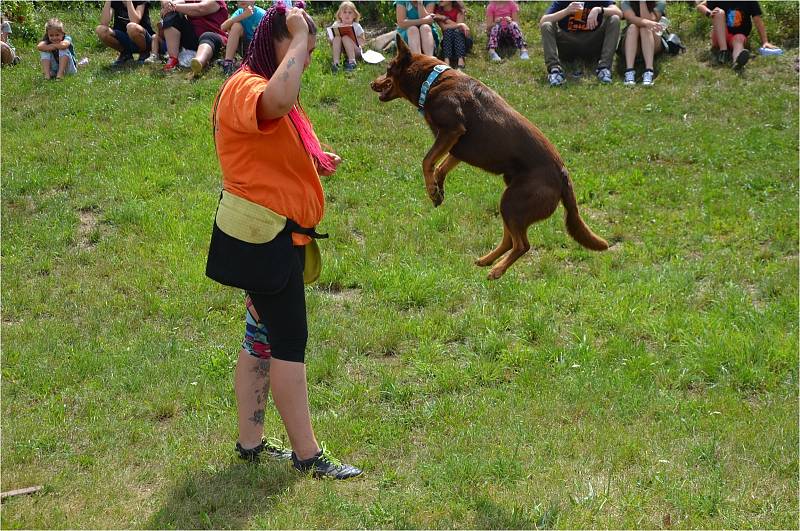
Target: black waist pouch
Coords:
[(255, 267), (253, 250)]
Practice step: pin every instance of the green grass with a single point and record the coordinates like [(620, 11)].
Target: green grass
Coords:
[(652, 385)]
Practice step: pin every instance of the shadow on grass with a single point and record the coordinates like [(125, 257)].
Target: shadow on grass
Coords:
[(490, 515), (226, 498)]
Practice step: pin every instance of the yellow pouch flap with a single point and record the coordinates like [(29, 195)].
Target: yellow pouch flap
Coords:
[(247, 221), (313, 263)]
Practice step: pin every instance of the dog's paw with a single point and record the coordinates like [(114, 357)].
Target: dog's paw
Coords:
[(437, 195), (495, 273), (483, 262)]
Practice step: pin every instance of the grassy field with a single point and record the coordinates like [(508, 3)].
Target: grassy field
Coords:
[(654, 385)]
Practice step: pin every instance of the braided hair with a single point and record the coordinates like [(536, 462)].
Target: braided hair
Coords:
[(262, 60)]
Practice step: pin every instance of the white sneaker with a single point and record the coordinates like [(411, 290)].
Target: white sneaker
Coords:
[(524, 56), (494, 57), (647, 78), (630, 77)]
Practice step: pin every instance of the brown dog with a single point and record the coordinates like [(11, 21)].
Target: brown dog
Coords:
[(473, 123)]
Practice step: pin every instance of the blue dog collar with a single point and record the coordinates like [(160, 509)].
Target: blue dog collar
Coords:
[(423, 93)]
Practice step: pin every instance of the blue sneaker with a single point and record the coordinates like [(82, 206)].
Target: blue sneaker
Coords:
[(604, 75), (556, 77)]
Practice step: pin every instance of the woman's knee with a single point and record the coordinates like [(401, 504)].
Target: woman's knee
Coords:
[(426, 31), (237, 29), (102, 31), (134, 30), (412, 32)]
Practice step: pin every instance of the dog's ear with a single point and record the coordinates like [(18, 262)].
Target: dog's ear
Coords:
[(402, 47)]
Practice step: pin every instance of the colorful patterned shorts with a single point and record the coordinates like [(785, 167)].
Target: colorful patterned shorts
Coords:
[(256, 340)]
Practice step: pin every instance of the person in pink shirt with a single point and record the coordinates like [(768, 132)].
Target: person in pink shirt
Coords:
[(502, 22)]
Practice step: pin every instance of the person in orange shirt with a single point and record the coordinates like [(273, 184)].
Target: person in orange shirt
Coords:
[(271, 159)]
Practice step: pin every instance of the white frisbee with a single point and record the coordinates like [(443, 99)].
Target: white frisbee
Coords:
[(372, 57)]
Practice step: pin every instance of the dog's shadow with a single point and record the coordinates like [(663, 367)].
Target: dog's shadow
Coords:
[(224, 498)]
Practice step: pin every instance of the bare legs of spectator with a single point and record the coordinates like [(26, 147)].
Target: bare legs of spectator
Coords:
[(46, 68), (420, 39), (349, 49), (6, 55), (649, 46), (137, 35), (234, 38), (204, 54), (106, 35), (173, 38)]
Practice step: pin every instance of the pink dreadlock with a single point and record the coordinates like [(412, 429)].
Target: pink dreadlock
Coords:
[(261, 59)]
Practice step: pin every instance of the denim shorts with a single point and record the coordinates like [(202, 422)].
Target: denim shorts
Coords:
[(72, 65)]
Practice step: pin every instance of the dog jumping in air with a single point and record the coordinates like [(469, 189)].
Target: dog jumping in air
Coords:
[(472, 123)]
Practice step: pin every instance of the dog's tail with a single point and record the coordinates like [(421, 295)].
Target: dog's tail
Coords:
[(575, 224)]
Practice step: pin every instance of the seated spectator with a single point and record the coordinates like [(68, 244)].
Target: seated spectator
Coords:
[(640, 38), (580, 30), (193, 25), (415, 25), (8, 54), (130, 31), (56, 51), (347, 18), (502, 22), (240, 27), (455, 32), (731, 24)]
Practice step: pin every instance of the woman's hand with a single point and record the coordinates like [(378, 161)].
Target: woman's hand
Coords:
[(652, 25), (769, 46), (335, 160), (296, 23)]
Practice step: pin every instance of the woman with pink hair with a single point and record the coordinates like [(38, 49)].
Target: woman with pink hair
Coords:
[(271, 161)]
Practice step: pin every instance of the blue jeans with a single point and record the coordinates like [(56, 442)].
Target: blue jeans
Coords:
[(72, 65)]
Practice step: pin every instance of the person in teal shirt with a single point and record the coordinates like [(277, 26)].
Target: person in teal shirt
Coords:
[(415, 24), (242, 23)]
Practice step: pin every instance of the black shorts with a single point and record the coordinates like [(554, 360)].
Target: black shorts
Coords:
[(214, 40), (284, 315), (181, 23)]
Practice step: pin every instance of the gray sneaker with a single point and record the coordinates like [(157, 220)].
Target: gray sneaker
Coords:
[(647, 78), (630, 77), (556, 77), (604, 75)]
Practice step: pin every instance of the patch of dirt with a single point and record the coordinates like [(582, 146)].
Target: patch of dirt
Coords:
[(87, 229)]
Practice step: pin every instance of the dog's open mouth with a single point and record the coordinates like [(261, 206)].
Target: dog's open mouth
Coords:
[(383, 88)]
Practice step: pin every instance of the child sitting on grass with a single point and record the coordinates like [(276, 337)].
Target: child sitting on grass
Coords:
[(502, 22), (455, 38), (242, 23), (57, 53), (346, 32), (7, 52)]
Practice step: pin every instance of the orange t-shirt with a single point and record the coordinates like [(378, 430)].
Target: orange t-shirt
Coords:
[(265, 161)]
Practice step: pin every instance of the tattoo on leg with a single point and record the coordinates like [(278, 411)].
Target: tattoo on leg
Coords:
[(258, 417), (290, 63), (262, 369)]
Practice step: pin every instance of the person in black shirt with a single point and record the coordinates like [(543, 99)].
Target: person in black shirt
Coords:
[(731, 24), (125, 26)]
